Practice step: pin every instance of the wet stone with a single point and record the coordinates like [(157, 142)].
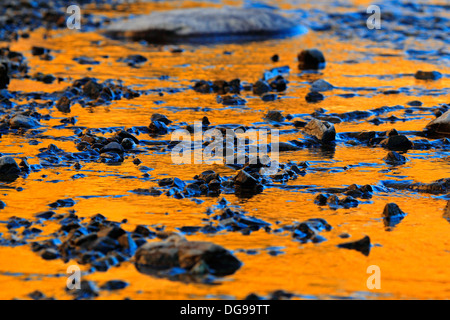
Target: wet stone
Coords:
[(428, 75), (395, 158), (363, 245), (312, 59), (322, 130), (193, 256), (397, 143)]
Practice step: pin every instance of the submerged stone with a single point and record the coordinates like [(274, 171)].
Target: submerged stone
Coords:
[(363, 245)]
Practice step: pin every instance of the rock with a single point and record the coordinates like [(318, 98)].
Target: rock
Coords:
[(313, 97), (9, 169), (4, 77), (204, 25), (394, 158), (231, 100), (161, 118), (311, 60), (274, 115), (440, 125), (21, 121), (39, 51), (260, 87), (114, 285), (275, 58), (428, 75), (321, 85), (396, 143), (88, 290), (63, 104), (113, 147), (392, 214), (363, 245), (193, 256), (322, 130), (267, 97)]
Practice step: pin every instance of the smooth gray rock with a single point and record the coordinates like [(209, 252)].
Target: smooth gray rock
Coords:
[(440, 125), (205, 25), (21, 121), (321, 85)]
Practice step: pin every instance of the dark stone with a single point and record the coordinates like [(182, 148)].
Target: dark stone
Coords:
[(363, 245), (114, 285), (312, 59), (428, 75), (394, 158), (63, 104), (313, 97), (9, 169), (392, 214), (21, 121), (161, 118), (113, 147), (267, 97), (276, 116), (4, 77), (261, 87), (195, 257), (396, 143)]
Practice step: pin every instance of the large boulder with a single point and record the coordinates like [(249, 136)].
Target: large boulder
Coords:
[(9, 169), (440, 125), (205, 25), (195, 257)]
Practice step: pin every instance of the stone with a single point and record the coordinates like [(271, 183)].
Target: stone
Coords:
[(397, 143), (313, 97), (440, 125), (21, 121), (363, 245), (321, 85), (395, 158), (392, 215), (428, 75), (205, 25), (322, 130), (261, 87), (312, 59), (189, 255), (9, 169)]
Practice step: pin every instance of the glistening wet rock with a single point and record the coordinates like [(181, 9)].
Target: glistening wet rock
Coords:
[(322, 130), (394, 158), (440, 125), (204, 25), (392, 215), (397, 142), (195, 257)]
